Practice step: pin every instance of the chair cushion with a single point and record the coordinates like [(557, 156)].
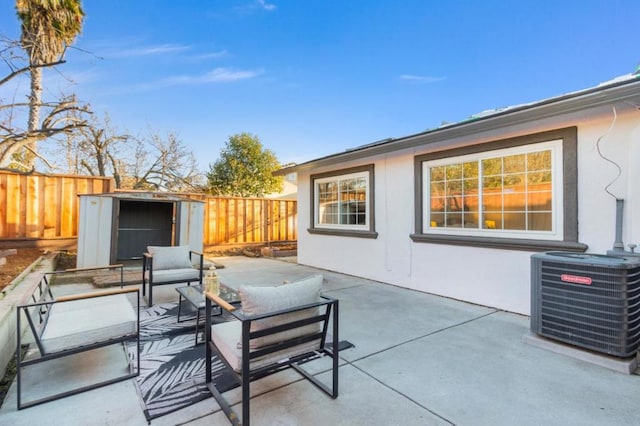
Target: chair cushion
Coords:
[(174, 275), (173, 257), (225, 336), (262, 300), (83, 322)]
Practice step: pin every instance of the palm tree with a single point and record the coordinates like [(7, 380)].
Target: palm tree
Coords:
[(48, 27)]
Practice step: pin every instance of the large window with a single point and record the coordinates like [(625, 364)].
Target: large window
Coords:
[(509, 191), (519, 192), (342, 202)]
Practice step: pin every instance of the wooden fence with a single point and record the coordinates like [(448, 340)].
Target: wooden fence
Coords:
[(34, 206), (249, 220), (46, 207)]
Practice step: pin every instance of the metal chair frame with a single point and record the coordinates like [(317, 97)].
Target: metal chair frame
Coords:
[(247, 375), (147, 274), (37, 315)]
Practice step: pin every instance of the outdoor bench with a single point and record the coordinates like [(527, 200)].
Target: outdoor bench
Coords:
[(67, 325), (277, 328)]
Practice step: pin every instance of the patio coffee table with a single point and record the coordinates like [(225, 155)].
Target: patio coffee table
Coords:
[(193, 295)]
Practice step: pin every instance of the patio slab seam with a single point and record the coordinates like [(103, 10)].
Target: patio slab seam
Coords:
[(425, 335), (407, 397), (352, 363)]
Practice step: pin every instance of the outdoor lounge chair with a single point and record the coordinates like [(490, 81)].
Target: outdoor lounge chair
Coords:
[(278, 327), (68, 325), (169, 265)]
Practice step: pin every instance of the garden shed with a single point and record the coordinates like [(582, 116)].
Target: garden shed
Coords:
[(119, 226)]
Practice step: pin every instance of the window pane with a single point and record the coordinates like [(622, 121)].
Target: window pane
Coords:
[(514, 202), (492, 202), (492, 182), (492, 166), (437, 174), (454, 171), (353, 192), (539, 177), (328, 213), (470, 170), (540, 221), (539, 161), (437, 188), (537, 201), (454, 187), (470, 185), (437, 204), (515, 181), (492, 221), (327, 192), (454, 204), (514, 164), (515, 221), (470, 203), (470, 220), (437, 220), (359, 213), (454, 220)]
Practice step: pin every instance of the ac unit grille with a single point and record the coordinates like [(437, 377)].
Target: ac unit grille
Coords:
[(589, 301)]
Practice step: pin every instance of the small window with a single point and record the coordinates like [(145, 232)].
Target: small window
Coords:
[(342, 201)]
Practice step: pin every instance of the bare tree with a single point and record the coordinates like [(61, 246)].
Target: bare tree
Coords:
[(61, 116), (100, 150), (152, 162), (165, 164)]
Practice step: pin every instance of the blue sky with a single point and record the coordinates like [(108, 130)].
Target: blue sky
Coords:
[(316, 77)]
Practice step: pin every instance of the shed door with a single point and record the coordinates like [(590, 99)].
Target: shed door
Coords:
[(142, 224)]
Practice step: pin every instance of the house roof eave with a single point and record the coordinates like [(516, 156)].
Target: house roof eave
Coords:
[(619, 91)]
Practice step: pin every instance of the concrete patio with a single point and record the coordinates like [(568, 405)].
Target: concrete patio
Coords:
[(418, 359)]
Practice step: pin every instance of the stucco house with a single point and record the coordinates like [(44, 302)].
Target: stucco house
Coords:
[(458, 211)]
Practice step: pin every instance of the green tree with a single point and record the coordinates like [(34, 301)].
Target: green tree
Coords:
[(48, 27), (245, 169)]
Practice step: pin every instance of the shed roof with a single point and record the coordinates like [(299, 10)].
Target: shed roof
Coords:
[(142, 196), (625, 89)]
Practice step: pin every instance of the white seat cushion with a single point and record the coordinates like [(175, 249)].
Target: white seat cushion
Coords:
[(170, 257), (175, 275), (262, 300), (226, 335), (82, 322)]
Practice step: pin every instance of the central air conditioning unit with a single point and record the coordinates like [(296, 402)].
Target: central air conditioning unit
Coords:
[(586, 300)]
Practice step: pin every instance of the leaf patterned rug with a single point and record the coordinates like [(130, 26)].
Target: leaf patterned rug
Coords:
[(171, 367)]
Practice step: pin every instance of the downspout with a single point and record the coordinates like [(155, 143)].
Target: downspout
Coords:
[(618, 245)]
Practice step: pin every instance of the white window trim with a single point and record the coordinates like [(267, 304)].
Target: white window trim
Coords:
[(556, 232), (337, 179)]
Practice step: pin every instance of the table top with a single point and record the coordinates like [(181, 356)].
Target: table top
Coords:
[(193, 293)]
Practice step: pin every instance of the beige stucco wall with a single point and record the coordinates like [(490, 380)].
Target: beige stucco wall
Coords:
[(493, 277)]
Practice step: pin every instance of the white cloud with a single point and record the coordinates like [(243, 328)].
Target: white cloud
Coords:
[(210, 55), (420, 78), (266, 6), (160, 49), (218, 75), (256, 5)]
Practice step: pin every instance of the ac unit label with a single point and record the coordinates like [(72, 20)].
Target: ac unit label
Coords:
[(576, 279)]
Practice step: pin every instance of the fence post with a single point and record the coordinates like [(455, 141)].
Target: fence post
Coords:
[(267, 214)]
